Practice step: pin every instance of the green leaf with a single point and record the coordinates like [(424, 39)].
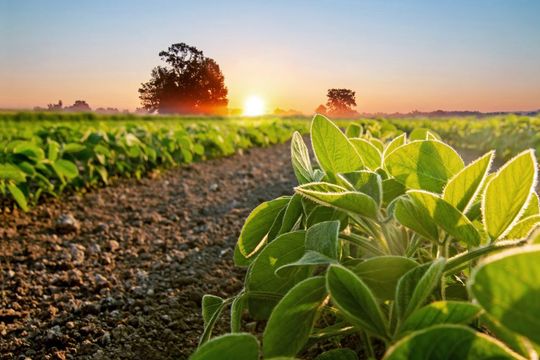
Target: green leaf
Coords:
[(426, 165), (533, 208), (444, 342), (11, 172), (440, 312), (323, 238), (416, 286), (415, 218), (355, 301), (65, 169), (18, 196), (52, 150), (292, 214), (391, 190), (257, 225), (333, 150), (237, 309), (300, 159), (30, 150), (353, 130), (73, 148), (340, 198), (366, 182), (446, 216), (292, 320), (210, 304), (506, 285), (338, 354), (323, 213), (463, 188), (371, 156), (321, 246), (507, 194), (229, 347), (382, 273), (261, 276), (524, 227), (395, 143)]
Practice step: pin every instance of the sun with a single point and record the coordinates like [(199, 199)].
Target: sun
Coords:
[(254, 106)]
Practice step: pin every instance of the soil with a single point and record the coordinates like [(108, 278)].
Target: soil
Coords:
[(119, 273)]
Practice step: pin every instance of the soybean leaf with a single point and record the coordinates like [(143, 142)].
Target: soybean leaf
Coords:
[(395, 143), (506, 285), (229, 347), (533, 208), (416, 218), (416, 286), (333, 150), (366, 182), (292, 214), (440, 312), (261, 276), (292, 320), (73, 148), (524, 227), (323, 213), (323, 238), (507, 194), (336, 196), (210, 304), (300, 159), (463, 188), (321, 246), (446, 216), (52, 150), (11, 172), (442, 342), (355, 301), (391, 190), (426, 165), (30, 150), (382, 273), (257, 225), (371, 156), (65, 169), (353, 130), (18, 196), (237, 308), (419, 134)]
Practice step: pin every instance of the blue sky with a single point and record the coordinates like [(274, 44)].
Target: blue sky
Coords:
[(397, 55)]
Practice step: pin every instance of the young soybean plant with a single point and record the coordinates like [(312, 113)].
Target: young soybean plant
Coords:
[(380, 240)]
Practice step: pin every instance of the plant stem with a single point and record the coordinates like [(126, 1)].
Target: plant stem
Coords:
[(367, 342), (456, 263)]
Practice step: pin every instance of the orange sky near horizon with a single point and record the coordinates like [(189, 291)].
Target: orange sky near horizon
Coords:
[(398, 56)]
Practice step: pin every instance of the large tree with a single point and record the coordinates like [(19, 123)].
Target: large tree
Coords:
[(340, 102), (190, 83)]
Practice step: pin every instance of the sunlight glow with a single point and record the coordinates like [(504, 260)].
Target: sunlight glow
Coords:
[(254, 106)]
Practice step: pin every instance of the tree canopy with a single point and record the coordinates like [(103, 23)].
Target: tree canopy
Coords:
[(341, 102), (190, 83)]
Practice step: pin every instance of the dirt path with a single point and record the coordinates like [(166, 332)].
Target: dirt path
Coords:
[(128, 283)]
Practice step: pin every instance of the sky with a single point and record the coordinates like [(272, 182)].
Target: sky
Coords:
[(397, 55)]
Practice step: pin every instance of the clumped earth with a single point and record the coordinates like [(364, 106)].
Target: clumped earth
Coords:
[(119, 273)]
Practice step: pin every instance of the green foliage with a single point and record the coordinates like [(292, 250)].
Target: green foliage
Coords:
[(53, 153)]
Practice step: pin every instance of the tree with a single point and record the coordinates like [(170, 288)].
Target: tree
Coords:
[(340, 102), (79, 106), (321, 109), (190, 84), (55, 107)]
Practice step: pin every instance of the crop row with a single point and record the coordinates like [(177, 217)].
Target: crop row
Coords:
[(50, 157), (389, 248)]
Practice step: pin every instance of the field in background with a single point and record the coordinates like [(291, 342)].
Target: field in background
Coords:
[(50, 153)]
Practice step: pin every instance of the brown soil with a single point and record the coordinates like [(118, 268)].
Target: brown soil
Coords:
[(126, 281)]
